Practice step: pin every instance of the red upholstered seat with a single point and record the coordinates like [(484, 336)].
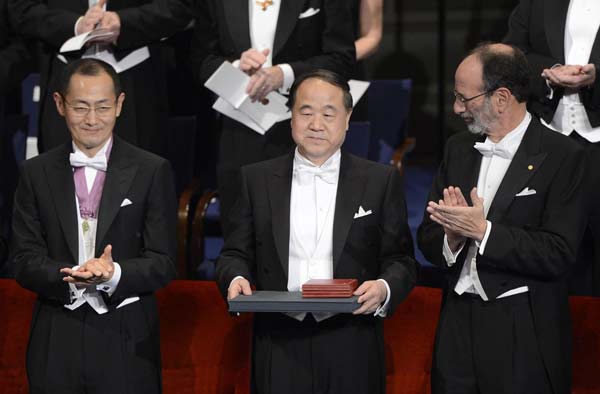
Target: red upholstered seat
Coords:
[(205, 350)]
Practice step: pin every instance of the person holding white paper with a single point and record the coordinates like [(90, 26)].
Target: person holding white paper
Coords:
[(141, 68), (273, 42)]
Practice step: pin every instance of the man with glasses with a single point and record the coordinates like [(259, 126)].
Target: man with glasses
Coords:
[(93, 236), (504, 218)]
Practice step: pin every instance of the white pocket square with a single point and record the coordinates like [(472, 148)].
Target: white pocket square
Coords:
[(308, 13), (525, 192), (361, 212), (126, 202)]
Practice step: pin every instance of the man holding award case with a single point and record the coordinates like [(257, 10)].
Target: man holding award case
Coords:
[(319, 213)]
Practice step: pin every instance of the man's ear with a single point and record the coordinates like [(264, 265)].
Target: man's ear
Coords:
[(60, 104), (348, 119), (120, 100), (503, 96)]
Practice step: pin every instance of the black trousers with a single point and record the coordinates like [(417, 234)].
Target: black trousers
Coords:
[(340, 355), (487, 348), (82, 352), (240, 146), (586, 273)]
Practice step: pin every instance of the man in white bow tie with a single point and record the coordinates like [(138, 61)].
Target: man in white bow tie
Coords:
[(93, 236), (296, 220), (504, 220)]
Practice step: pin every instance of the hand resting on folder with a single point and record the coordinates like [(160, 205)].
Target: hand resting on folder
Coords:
[(372, 294)]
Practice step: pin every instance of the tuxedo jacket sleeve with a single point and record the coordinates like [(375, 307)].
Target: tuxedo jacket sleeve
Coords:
[(14, 55), (537, 27), (534, 237), (36, 19), (323, 41), (153, 21), (35, 269)]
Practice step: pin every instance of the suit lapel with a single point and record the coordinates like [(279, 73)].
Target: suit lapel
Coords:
[(119, 176), (469, 167), (350, 191), (286, 22), (280, 188), (524, 165), (555, 19), (62, 188), (238, 20)]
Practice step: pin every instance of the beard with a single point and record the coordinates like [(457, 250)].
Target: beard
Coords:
[(480, 120)]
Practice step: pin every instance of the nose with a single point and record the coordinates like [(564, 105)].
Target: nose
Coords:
[(458, 106), (316, 122), (91, 117)]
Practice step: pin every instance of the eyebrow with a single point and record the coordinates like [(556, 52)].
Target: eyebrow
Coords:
[(83, 101)]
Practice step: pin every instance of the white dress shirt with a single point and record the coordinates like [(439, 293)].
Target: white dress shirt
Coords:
[(262, 36), (86, 246), (491, 174), (583, 20)]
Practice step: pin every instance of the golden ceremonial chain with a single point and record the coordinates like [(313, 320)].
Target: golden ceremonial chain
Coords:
[(264, 4)]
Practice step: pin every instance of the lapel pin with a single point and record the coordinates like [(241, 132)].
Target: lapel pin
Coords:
[(530, 167)]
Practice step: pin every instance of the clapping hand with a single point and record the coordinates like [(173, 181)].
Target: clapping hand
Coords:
[(93, 271)]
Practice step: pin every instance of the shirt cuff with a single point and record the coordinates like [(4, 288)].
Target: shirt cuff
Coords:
[(550, 95), (77, 24), (449, 255), (288, 78), (110, 286), (382, 310), (483, 242), (75, 292), (236, 63)]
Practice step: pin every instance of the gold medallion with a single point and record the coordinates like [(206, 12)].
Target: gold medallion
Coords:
[(85, 226), (264, 4)]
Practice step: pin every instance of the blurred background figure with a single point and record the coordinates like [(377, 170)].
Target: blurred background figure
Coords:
[(563, 49)]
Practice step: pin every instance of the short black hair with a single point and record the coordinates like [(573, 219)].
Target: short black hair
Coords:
[(88, 67), (504, 69), (326, 76)]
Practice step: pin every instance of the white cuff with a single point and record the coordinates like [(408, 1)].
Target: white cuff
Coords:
[(382, 309), (449, 255), (77, 24), (481, 245), (236, 63), (288, 78), (75, 293), (110, 286), (550, 95)]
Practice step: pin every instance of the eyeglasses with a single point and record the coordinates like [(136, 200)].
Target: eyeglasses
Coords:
[(464, 100), (82, 110)]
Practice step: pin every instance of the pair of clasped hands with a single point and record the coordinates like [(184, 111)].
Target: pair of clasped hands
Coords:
[(97, 18), (459, 220), (263, 80), (92, 272), (571, 76)]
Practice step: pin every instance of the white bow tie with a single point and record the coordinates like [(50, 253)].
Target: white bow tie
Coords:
[(98, 162), (489, 149), (307, 173)]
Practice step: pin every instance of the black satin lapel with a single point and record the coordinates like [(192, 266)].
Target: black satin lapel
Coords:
[(524, 165), (238, 20), (119, 176), (469, 168), (280, 189), (62, 187), (350, 191), (555, 19), (286, 22)]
